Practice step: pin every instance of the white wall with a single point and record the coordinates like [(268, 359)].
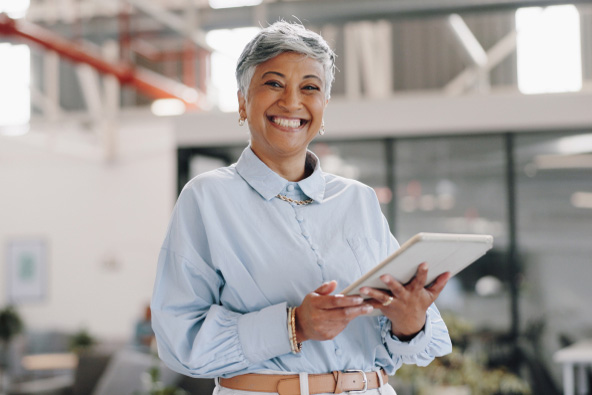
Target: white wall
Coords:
[(103, 222)]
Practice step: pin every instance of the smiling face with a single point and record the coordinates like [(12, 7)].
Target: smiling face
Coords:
[(284, 108)]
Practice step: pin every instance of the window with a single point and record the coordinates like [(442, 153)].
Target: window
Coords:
[(228, 45), (14, 8), (548, 49), (15, 96)]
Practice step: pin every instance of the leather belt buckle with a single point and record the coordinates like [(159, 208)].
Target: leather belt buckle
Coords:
[(364, 378)]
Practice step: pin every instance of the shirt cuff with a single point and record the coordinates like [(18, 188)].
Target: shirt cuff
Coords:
[(263, 334), (412, 347)]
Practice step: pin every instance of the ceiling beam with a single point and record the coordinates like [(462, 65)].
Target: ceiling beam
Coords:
[(317, 12), (339, 11), (143, 80)]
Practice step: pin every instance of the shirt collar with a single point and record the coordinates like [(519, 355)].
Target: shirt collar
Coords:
[(268, 183)]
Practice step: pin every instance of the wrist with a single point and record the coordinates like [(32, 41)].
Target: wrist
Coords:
[(299, 333), (406, 335), (295, 345)]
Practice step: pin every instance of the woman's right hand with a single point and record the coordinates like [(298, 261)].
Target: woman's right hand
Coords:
[(322, 316)]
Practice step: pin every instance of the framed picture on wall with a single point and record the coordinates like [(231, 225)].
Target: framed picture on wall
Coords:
[(26, 270)]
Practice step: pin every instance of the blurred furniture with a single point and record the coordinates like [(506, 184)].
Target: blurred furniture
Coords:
[(108, 369), (127, 373), (91, 366), (53, 361), (197, 386), (575, 358)]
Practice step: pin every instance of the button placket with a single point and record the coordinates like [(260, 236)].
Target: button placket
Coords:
[(307, 236)]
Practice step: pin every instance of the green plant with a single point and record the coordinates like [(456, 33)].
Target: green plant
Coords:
[(10, 324), (462, 368), (82, 341), (157, 387)]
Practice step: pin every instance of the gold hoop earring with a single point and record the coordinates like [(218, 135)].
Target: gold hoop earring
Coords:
[(241, 121), (322, 129)]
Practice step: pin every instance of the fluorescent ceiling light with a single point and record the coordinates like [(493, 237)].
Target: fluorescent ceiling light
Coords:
[(233, 3), (549, 162), (167, 107), (579, 144)]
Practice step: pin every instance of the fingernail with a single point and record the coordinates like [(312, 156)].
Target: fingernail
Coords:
[(368, 309), (364, 291)]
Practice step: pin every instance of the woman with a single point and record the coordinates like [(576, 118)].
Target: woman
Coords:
[(255, 252)]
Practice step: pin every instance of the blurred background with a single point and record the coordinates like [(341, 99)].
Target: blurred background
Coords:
[(465, 116)]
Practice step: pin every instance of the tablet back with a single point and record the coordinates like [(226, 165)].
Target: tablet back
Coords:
[(443, 252)]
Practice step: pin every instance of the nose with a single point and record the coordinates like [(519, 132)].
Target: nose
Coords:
[(290, 99)]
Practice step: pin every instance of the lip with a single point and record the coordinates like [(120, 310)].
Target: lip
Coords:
[(286, 120)]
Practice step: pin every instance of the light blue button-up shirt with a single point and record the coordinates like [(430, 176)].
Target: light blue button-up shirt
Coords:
[(236, 256)]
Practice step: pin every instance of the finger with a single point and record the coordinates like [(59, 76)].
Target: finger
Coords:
[(378, 304), (380, 296), (349, 313), (438, 285), (354, 312), (421, 277), (337, 301), (396, 288), (327, 288)]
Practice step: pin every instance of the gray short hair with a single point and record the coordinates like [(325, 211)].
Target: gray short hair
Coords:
[(283, 37)]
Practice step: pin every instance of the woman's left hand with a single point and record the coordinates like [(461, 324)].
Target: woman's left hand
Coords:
[(406, 305)]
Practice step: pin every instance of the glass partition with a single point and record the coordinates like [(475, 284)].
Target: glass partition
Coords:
[(554, 223), (458, 185)]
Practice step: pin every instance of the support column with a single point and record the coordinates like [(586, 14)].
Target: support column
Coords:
[(51, 85)]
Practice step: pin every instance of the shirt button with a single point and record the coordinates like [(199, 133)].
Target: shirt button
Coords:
[(314, 246), (338, 352), (320, 262), (306, 234), (299, 218), (290, 188)]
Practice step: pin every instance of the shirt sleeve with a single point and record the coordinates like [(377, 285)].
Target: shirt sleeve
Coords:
[(196, 335), (433, 341)]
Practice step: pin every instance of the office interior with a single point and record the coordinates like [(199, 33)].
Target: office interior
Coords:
[(465, 116)]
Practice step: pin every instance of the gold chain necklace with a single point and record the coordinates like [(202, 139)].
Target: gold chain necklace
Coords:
[(298, 202)]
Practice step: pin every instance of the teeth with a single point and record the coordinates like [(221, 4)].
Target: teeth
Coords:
[(288, 123)]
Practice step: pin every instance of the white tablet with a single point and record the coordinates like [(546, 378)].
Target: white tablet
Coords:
[(443, 252)]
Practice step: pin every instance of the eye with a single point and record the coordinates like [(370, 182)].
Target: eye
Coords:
[(311, 88), (273, 84)]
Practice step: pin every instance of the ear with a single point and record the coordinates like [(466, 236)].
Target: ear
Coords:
[(242, 105)]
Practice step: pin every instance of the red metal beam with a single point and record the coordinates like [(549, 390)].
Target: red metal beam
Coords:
[(145, 81)]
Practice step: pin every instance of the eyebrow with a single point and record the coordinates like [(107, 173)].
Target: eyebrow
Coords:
[(283, 76)]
